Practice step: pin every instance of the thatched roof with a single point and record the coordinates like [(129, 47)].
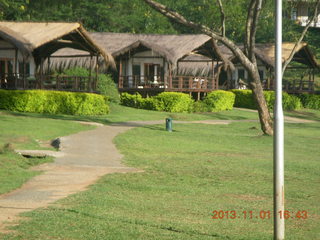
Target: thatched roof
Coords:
[(303, 54), (195, 65), (171, 47), (266, 53), (41, 39)]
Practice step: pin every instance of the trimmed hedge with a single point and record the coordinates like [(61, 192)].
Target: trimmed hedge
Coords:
[(53, 102), (173, 102), (311, 101), (219, 101), (106, 86), (166, 101), (244, 99)]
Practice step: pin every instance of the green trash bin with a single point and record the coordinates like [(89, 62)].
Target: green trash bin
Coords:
[(169, 124)]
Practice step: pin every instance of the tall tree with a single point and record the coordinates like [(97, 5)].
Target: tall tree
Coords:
[(246, 56)]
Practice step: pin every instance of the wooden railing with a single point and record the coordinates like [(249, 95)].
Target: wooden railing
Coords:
[(298, 86), (138, 81), (175, 83), (49, 82)]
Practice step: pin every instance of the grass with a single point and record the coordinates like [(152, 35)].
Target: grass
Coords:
[(187, 175), (308, 114), (23, 133), (123, 114)]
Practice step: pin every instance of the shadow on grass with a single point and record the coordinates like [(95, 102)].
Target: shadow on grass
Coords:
[(141, 223), (304, 115), (98, 119)]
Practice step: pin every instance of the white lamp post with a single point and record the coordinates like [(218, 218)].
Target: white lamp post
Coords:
[(278, 145)]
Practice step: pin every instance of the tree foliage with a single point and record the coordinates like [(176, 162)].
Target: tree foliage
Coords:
[(136, 17)]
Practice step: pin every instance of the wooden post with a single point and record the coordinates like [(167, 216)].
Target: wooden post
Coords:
[(205, 83), (90, 75), (163, 71), (213, 83), (24, 74), (57, 82), (165, 75), (190, 82), (41, 73), (213, 73), (97, 73), (16, 68), (120, 80), (170, 75), (180, 82), (48, 67)]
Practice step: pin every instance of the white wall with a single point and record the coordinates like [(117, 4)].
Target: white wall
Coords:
[(303, 14), (10, 54), (150, 57), (235, 77)]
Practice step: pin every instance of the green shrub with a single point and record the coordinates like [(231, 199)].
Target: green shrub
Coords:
[(173, 102), (219, 100), (244, 99), (290, 102), (270, 97), (148, 103), (131, 100), (166, 101), (200, 107), (311, 101), (53, 102), (105, 85)]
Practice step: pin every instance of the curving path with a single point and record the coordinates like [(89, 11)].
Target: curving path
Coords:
[(83, 158)]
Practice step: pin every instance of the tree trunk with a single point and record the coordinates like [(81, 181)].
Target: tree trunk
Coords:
[(266, 122), (246, 58)]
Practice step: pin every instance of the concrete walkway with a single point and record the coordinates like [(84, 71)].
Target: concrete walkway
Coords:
[(83, 158)]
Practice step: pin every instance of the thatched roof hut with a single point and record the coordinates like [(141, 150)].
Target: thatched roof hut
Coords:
[(171, 47), (266, 53), (41, 39)]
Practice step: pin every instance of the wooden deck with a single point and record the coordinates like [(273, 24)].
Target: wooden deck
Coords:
[(58, 82), (177, 84), (191, 84)]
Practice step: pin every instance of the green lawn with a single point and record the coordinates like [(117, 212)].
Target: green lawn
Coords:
[(189, 173), (22, 133), (123, 114)]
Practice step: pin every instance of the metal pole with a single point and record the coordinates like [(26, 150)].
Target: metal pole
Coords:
[(278, 146)]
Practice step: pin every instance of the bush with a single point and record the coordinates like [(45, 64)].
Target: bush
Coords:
[(290, 102), (244, 99), (53, 102), (219, 100), (173, 102), (200, 107), (311, 101), (166, 101), (105, 85), (131, 100)]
